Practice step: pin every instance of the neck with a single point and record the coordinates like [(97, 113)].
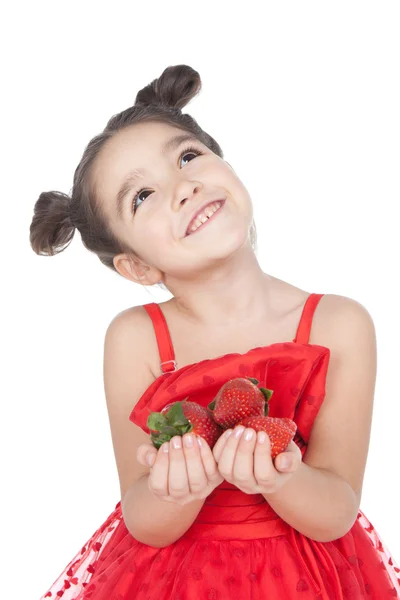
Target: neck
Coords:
[(236, 291)]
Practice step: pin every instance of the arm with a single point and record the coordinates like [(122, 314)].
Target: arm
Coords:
[(322, 498), (153, 521), (129, 344), (316, 502)]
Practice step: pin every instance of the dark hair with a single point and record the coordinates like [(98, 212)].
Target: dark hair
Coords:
[(56, 215)]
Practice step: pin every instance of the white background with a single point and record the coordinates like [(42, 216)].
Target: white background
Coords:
[(304, 101)]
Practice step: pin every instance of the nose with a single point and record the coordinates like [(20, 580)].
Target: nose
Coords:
[(185, 192)]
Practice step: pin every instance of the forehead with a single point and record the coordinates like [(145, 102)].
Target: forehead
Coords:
[(138, 141)]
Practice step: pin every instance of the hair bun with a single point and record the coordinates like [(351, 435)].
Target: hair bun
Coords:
[(174, 89), (51, 229)]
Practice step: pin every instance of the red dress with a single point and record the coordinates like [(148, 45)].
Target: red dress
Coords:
[(238, 547)]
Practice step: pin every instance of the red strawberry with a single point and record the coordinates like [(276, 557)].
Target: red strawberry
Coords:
[(280, 431), (290, 424), (237, 399), (178, 418)]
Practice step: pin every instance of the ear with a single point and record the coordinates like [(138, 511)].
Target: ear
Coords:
[(137, 271), (230, 165)]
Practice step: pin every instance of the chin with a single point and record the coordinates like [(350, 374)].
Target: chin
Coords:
[(228, 245)]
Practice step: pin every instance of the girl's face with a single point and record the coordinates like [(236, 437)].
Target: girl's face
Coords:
[(169, 186)]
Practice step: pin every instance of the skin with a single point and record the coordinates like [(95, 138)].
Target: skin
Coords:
[(182, 474), (219, 289), (183, 264)]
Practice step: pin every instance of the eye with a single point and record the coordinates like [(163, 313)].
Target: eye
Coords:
[(136, 199)]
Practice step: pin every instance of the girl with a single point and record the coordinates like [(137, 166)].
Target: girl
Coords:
[(155, 200)]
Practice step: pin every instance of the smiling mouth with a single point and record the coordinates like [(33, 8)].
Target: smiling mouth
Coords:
[(206, 215)]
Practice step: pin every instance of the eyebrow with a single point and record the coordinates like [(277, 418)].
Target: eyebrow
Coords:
[(133, 176)]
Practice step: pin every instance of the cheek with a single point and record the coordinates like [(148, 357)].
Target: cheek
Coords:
[(240, 195), (150, 241), (244, 196)]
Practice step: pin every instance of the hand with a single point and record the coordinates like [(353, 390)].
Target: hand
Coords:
[(183, 474), (248, 465)]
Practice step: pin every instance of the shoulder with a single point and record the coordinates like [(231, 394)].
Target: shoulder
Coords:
[(133, 319), (342, 321), (132, 330)]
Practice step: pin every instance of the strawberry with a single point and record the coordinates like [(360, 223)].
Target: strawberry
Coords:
[(290, 424), (237, 399), (178, 418), (280, 431)]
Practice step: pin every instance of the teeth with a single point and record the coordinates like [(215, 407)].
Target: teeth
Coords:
[(204, 216), (209, 211)]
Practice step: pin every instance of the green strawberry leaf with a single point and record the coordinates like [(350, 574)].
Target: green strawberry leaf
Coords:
[(156, 421), (253, 380), (159, 439), (267, 393), (175, 416), (184, 429), (156, 443), (169, 430)]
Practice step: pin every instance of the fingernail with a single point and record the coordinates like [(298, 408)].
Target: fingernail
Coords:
[(248, 435), (176, 442), (165, 446), (150, 459), (188, 441), (239, 432), (284, 462), (262, 437), (228, 432), (199, 441)]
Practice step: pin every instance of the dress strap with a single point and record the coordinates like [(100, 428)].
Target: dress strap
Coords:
[(164, 342), (304, 328)]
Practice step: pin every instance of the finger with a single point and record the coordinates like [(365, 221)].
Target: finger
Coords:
[(208, 460), (194, 465), (292, 456), (145, 450), (220, 444), (293, 447), (227, 458), (150, 458), (243, 471), (178, 482), (264, 470), (158, 478)]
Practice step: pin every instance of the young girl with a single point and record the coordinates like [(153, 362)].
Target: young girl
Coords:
[(155, 200)]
